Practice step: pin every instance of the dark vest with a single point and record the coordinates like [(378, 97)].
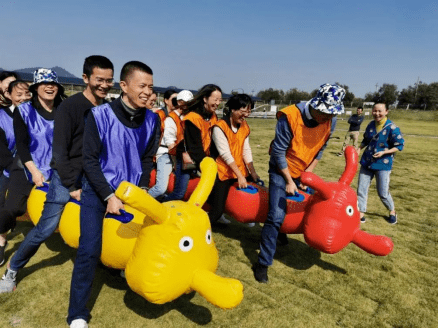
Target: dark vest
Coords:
[(122, 147), (6, 124), (41, 137)]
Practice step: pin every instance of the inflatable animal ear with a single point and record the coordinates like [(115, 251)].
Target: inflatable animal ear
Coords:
[(177, 254), (332, 219)]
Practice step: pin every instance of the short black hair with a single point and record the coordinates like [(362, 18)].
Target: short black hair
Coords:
[(132, 66), (168, 93), (236, 102), (7, 74), (93, 61), (360, 108), (15, 83)]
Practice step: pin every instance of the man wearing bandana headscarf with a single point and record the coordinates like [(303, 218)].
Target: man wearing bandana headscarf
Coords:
[(302, 131)]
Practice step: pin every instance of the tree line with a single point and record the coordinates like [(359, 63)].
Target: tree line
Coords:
[(421, 96)]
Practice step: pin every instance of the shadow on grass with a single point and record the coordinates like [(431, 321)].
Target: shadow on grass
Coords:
[(296, 254), (196, 313)]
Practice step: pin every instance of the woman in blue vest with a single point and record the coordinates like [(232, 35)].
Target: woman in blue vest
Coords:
[(33, 129)]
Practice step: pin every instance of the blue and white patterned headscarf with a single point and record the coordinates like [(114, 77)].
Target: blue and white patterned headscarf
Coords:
[(45, 76), (329, 99)]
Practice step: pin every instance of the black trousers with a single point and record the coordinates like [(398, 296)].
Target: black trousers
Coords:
[(18, 190)]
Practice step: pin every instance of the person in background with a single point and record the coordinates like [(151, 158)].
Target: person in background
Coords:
[(199, 118), (6, 78), (136, 131), (33, 130), (354, 130), (172, 135), (66, 161), (167, 99), (17, 92), (301, 132), (235, 162), (382, 139)]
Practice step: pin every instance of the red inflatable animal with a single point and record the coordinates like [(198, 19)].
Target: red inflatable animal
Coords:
[(328, 219)]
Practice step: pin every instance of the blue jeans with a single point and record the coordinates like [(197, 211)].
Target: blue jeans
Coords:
[(56, 199), (164, 169), (382, 181), (276, 215), (89, 251), (181, 182)]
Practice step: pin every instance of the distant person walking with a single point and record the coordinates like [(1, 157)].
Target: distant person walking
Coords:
[(382, 139), (354, 130)]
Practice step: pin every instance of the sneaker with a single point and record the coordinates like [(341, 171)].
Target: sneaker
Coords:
[(363, 219), (223, 220), (2, 253), (282, 239), (339, 154), (251, 224), (7, 283), (392, 219), (260, 272), (79, 323)]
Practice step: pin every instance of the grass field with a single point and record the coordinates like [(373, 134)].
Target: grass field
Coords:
[(307, 288)]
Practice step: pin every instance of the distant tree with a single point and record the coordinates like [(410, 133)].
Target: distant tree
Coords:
[(388, 93), (420, 96), (270, 93), (357, 102), (369, 97), (294, 96)]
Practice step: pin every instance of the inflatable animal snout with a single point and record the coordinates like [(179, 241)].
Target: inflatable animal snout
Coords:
[(174, 252)]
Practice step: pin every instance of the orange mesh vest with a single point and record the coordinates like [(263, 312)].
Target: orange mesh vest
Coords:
[(204, 126), (236, 144), (306, 142), (180, 132), (162, 116)]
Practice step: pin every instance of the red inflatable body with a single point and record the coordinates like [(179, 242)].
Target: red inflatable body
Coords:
[(328, 219)]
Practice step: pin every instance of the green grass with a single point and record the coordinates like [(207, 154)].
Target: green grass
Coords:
[(307, 288)]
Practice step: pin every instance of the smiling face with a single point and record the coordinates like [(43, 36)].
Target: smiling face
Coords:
[(20, 94), (213, 101), (5, 84), (99, 82), (47, 91), (137, 89), (237, 117), (151, 101), (379, 112)]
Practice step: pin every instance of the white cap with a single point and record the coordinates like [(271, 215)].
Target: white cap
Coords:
[(185, 95)]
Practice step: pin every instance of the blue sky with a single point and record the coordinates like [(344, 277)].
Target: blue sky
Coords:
[(251, 45)]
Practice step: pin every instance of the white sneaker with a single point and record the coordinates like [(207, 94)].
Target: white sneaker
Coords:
[(251, 224), (223, 220), (79, 323)]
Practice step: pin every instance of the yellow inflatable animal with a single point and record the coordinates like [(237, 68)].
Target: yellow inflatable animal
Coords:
[(175, 252), (167, 249)]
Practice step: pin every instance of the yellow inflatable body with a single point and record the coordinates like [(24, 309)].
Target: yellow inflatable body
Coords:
[(167, 249)]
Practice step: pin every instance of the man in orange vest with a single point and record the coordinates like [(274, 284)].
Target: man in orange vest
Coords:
[(302, 131)]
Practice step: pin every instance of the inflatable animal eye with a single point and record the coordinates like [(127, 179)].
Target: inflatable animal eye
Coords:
[(208, 236), (350, 210), (186, 243)]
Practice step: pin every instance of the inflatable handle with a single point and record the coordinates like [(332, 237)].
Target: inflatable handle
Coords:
[(297, 197), (44, 188), (249, 189), (124, 217), (260, 182)]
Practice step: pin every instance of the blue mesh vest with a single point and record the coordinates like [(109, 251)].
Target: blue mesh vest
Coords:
[(41, 137), (122, 147), (7, 126)]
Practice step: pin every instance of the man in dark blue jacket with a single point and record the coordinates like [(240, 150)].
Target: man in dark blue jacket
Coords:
[(354, 130)]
